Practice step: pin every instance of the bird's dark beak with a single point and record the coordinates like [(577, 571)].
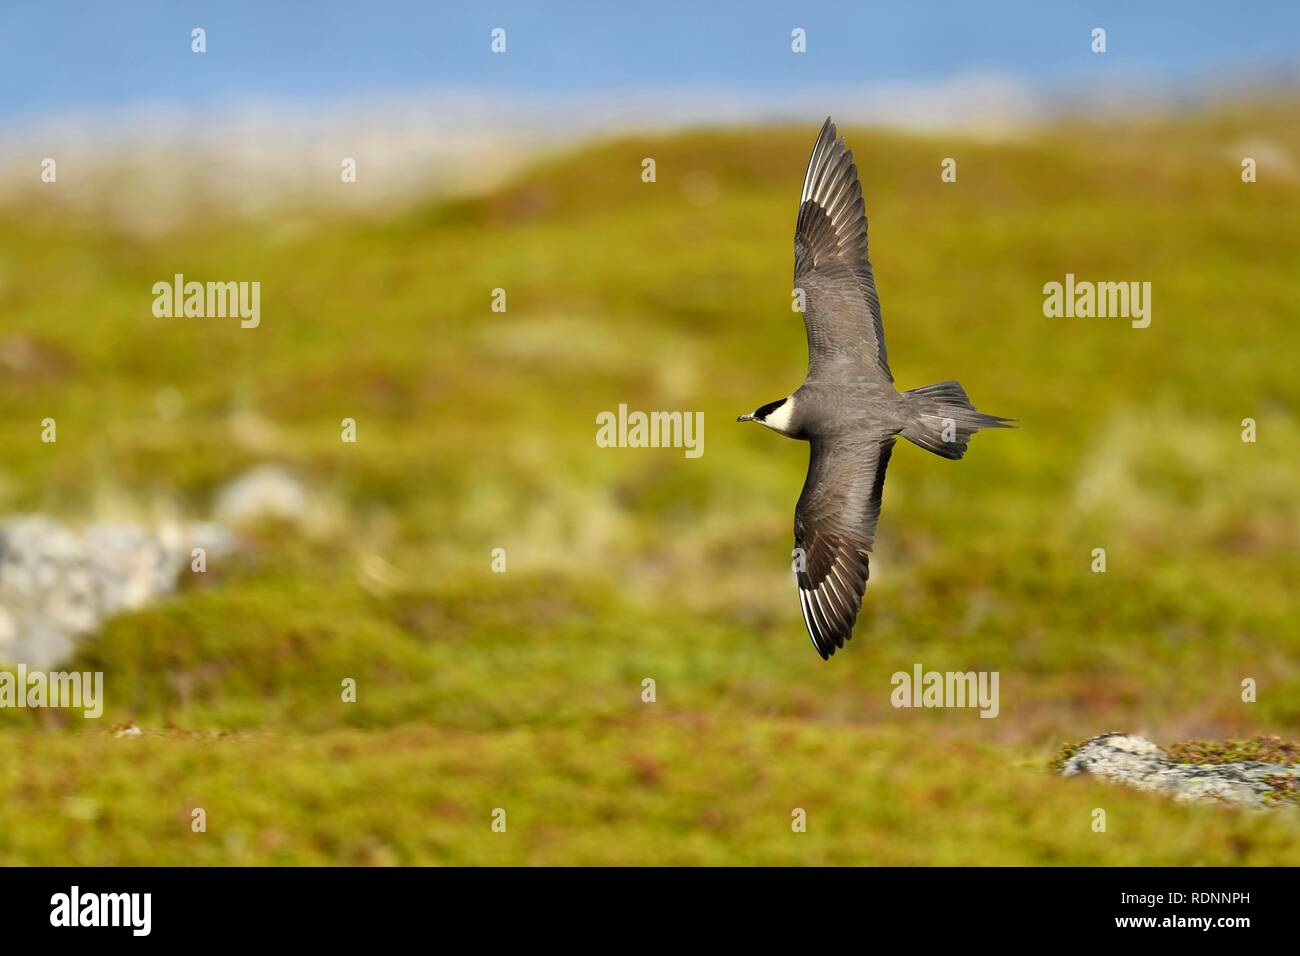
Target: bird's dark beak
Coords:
[(745, 418)]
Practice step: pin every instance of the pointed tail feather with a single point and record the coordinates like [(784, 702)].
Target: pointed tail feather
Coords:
[(943, 419)]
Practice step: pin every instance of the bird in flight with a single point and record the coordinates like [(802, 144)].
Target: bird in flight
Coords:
[(847, 408)]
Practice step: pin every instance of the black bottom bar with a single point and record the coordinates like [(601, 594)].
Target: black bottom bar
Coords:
[(336, 905)]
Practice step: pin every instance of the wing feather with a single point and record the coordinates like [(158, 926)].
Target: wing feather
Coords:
[(841, 306), (835, 528)]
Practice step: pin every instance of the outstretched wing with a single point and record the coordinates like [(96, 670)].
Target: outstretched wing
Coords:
[(835, 527), (841, 308)]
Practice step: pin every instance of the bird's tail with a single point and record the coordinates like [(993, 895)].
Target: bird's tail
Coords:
[(943, 419)]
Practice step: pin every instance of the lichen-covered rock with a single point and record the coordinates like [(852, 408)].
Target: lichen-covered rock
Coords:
[(1139, 763), (57, 584)]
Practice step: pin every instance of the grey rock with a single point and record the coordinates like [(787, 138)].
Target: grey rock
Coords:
[(58, 585), (1137, 762)]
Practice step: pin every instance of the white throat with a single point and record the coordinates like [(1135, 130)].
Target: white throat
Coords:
[(779, 419)]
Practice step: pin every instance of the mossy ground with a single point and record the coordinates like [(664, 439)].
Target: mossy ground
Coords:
[(523, 690), (1261, 749)]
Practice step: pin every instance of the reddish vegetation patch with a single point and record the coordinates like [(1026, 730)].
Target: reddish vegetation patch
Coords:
[(27, 358), (1234, 750)]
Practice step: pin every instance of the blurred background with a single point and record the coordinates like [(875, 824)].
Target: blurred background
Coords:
[(496, 586)]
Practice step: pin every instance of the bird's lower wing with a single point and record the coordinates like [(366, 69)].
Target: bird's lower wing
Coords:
[(834, 529)]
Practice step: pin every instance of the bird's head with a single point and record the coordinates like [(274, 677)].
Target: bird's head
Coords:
[(775, 415)]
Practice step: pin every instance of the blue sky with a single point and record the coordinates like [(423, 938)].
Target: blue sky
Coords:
[(60, 57)]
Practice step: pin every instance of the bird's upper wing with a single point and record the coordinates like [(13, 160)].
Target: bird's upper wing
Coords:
[(835, 527), (841, 308)]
